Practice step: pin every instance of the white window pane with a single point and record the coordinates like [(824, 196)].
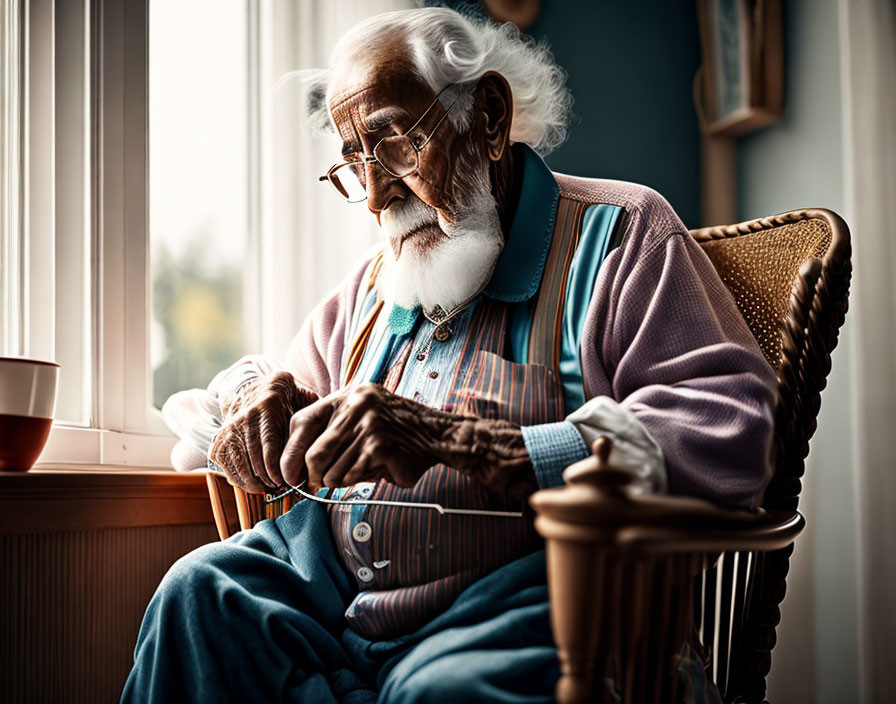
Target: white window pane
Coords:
[(10, 181), (72, 312), (198, 122), (44, 221)]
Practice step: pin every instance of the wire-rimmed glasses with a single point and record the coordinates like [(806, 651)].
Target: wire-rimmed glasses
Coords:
[(398, 154), (401, 504), (299, 491)]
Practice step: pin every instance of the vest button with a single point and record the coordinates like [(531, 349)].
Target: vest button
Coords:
[(433, 375), (365, 574), (443, 332), (361, 532)]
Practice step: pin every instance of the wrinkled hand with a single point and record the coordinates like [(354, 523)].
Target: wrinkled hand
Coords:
[(362, 434), (369, 433), (256, 428)]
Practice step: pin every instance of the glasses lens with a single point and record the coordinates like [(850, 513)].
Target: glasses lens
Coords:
[(350, 181), (397, 155)]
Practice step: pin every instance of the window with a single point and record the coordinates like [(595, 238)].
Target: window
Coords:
[(283, 241), (10, 176), (159, 202), (74, 221), (199, 176), (45, 293)]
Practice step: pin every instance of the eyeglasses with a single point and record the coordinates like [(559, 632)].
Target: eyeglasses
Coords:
[(298, 490), (403, 504), (399, 155)]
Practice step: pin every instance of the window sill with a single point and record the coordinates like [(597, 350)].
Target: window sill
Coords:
[(93, 449), (51, 500)]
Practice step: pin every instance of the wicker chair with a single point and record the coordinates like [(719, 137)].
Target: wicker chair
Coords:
[(633, 577), (235, 509)]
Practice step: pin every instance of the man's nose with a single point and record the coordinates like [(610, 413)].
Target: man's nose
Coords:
[(382, 188)]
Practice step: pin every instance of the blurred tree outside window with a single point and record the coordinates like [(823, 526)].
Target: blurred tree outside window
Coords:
[(197, 319), (199, 141)]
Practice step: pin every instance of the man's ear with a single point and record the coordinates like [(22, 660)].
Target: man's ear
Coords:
[(496, 103)]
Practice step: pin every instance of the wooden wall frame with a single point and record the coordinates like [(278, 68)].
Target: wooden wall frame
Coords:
[(740, 86), (522, 13)]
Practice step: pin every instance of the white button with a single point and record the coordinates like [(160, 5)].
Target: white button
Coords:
[(365, 574), (361, 532)]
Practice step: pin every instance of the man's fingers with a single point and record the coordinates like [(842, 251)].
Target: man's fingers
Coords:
[(223, 456), (292, 460), (364, 470), (273, 432), (304, 428), (272, 449), (346, 462), (256, 457), (343, 430), (236, 462)]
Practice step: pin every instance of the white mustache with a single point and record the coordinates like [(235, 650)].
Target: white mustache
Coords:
[(450, 269), (407, 215)]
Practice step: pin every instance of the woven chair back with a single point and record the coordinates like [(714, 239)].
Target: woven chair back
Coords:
[(789, 275), (760, 268)]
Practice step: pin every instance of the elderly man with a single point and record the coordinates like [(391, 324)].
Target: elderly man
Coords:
[(511, 316)]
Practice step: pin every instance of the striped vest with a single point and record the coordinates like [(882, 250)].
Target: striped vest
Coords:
[(517, 363)]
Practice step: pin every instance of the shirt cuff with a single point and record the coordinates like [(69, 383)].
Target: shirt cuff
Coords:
[(552, 448)]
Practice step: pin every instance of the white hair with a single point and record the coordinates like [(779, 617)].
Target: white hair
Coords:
[(448, 48)]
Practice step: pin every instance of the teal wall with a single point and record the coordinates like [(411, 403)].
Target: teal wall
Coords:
[(631, 66)]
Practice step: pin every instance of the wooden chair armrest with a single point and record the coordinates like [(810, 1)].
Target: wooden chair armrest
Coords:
[(602, 505), (766, 532), (621, 564), (224, 507), (622, 521), (236, 509)]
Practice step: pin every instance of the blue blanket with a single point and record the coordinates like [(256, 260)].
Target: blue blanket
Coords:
[(260, 617)]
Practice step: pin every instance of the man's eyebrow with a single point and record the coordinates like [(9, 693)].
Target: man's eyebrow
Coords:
[(374, 122), (381, 118)]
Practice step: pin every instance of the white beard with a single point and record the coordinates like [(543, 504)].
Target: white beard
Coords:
[(458, 266)]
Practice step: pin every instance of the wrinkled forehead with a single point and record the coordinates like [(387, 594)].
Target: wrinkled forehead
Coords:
[(371, 106), (373, 77)]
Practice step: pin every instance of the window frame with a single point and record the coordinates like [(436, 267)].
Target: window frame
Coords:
[(124, 428)]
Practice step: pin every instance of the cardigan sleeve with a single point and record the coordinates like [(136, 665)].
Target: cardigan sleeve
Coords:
[(667, 334), (315, 354)]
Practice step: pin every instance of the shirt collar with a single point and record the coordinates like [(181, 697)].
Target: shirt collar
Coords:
[(520, 265)]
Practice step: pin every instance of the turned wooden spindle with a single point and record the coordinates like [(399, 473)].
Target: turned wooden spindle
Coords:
[(575, 520)]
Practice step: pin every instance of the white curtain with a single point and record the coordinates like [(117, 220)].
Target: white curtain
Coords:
[(307, 237), (868, 34)]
